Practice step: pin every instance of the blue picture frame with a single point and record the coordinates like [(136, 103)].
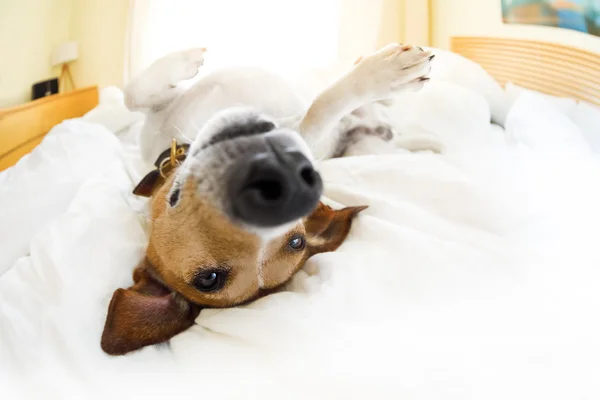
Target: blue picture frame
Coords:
[(578, 15)]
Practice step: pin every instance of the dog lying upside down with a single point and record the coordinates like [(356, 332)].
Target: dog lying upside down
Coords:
[(236, 213)]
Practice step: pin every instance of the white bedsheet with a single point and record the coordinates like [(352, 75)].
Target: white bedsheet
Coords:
[(473, 275)]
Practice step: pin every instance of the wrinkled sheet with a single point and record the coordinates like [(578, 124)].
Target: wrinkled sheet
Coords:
[(473, 274)]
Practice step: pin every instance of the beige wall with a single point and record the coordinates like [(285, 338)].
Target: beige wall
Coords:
[(416, 26), (391, 29), (100, 28), (484, 18), (29, 31), (405, 21)]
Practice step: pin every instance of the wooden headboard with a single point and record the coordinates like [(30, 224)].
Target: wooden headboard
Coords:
[(546, 67), (23, 127)]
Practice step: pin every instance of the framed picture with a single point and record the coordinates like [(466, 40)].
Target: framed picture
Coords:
[(578, 15)]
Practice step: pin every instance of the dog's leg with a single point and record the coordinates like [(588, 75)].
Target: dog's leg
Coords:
[(157, 85), (359, 126), (377, 77)]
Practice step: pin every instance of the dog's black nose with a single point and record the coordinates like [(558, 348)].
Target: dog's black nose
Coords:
[(274, 188)]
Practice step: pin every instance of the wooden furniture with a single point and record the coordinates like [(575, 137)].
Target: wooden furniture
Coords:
[(546, 67), (23, 127)]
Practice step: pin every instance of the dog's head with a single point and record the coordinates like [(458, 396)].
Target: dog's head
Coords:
[(236, 219)]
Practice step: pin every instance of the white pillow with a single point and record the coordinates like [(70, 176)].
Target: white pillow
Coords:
[(537, 122), (564, 104), (455, 68), (41, 185), (111, 111), (445, 111), (587, 117)]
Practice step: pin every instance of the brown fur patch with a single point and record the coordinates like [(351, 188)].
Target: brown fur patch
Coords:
[(146, 313)]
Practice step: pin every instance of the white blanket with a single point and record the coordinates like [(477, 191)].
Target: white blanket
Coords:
[(473, 275)]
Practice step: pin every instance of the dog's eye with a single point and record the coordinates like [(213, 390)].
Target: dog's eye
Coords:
[(174, 197), (297, 243), (210, 281)]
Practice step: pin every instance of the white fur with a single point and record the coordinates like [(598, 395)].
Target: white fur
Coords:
[(177, 113)]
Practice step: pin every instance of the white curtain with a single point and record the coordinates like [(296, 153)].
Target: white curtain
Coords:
[(288, 36)]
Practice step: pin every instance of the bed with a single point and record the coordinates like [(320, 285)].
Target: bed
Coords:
[(23, 127), (472, 275)]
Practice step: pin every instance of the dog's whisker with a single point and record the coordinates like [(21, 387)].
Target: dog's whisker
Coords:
[(182, 134)]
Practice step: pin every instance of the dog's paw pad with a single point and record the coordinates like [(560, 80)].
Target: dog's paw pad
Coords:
[(185, 64)]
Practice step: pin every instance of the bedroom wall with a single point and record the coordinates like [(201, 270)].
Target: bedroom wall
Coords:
[(391, 28), (415, 22), (100, 28), (405, 21), (484, 17), (31, 29), (29, 32)]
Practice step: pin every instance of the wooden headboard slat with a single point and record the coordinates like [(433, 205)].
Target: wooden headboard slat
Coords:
[(553, 89), (552, 78), (527, 45), (546, 67), (535, 53), (23, 127), (554, 65)]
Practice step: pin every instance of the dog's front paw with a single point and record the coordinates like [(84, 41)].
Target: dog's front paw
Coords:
[(392, 69), (184, 64)]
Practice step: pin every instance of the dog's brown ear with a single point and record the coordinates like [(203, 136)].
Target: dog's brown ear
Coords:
[(326, 228), (145, 314)]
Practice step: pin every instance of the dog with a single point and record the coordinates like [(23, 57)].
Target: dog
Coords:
[(236, 209)]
